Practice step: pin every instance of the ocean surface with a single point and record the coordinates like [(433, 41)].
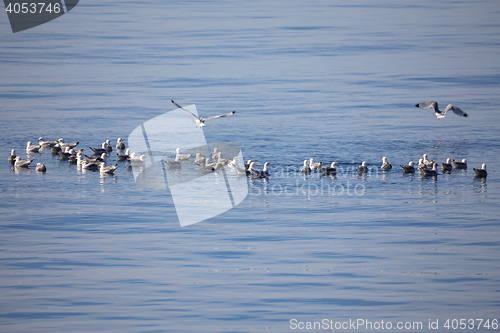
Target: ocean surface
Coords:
[(328, 80)]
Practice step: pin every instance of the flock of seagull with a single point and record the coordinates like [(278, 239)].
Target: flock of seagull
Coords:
[(425, 166), (67, 151), (98, 161)]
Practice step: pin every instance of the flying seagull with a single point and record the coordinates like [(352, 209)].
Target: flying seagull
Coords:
[(200, 121), (438, 113)]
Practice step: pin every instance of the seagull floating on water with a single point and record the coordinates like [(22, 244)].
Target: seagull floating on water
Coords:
[(12, 157), (331, 170), (427, 162), (200, 159), (182, 157), (431, 172), (447, 166), (385, 164), (460, 165), (45, 144), (32, 148), (103, 169), (481, 172), (314, 166), (22, 164), (40, 167), (99, 151), (137, 159), (438, 113), (264, 173), (108, 146), (305, 168), (363, 168), (174, 164), (119, 144), (410, 168), (124, 157), (70, 145), (421, 165), (200, 121)]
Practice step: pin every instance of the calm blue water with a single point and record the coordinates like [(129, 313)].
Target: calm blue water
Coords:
[(80, 253)]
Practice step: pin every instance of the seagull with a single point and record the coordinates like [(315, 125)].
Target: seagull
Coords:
[(315, 166), (214, 154), (12, 157), (102, 158), (174, 164), (460, 165), (108, 146), (234, 164), (124, 157), (99, 151), (331, 170), (119, 144), (446, 166), (182, 157), (200, 159), (40, 167), (264, 173), (250, 168), (45, 144), (385, 164), (363, 168), (438, 113), (63, 145), (137, 160), (431, 172), (247, 164), (305, 168), (88, 165), (32, 148), (481, 172), (56, 149), (67, 154), (22, 164), (421, 165), (103, 169), (223, 161), (200, 122), (210, 167), (408, 168), (427, 162)]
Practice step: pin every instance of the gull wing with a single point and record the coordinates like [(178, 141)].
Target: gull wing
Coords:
[(426, 105), (455, 110), (180, 107), (222, 115)]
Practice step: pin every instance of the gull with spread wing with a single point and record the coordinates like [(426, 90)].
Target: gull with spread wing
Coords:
[(438, 113), (200, 121)]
